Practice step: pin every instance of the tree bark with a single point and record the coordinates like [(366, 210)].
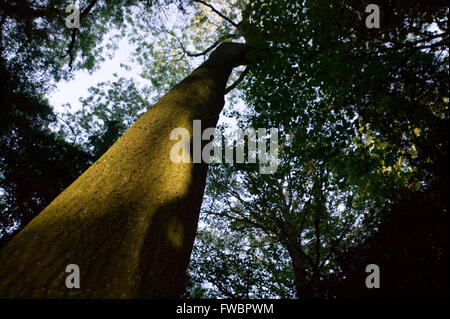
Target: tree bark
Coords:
[(130, 220)]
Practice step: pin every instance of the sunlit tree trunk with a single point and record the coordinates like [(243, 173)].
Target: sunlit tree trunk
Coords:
[(129, 221)]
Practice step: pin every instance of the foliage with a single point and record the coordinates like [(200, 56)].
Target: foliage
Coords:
[(391, 81), (110, 109), (370, 106), (230, 263)]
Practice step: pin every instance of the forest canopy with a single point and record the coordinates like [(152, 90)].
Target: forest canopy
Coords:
[(362, 149)]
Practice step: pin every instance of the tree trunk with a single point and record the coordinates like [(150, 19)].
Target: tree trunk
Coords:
[(129, 221)]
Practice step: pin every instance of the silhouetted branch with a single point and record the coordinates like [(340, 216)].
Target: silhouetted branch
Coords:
[(204, 52), (75, 32), (239, 80)]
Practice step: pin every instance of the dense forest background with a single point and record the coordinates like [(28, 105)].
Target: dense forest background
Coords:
[(363, 128)]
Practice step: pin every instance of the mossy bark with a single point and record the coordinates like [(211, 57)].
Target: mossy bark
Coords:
[(129, 221)]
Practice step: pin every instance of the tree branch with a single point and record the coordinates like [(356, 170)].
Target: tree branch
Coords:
[(218, 13), (317, 242), (69, 126), (75, 32)]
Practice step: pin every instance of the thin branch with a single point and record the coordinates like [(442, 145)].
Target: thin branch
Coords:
[(242, 219), (24, 10), (239, 80), (70, 48), (245, 219), (69, 126), (221, 288), (192, 54), (204, 52), (217, 12)]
